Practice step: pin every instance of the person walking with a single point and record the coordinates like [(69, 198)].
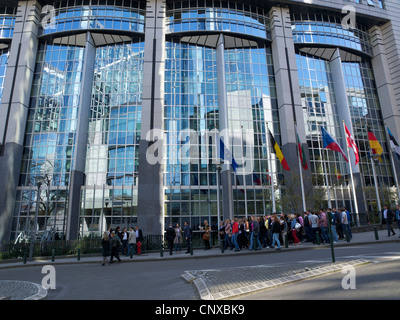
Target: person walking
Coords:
[(313, 218), (293, 223), (345, 224), (170, 235), (228, 234), (276, 231), (307, 226), (105, 247), (256, 233), (115, 247), (387, 217), (323, 224), (235, 234), (132, 241), (339, 226), (178, 238), (331, 218), (206, 235), (125, 240), (187, 233), (397, 217)]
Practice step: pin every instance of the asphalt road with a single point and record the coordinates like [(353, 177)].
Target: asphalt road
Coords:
[(161, 280)]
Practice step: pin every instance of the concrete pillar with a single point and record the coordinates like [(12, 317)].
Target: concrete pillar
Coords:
[(385, 87), (77, 179), (226, 173), (14, 107), (344, 115), (150, 188), (288, 94)]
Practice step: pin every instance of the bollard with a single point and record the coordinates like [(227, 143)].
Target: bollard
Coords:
[(191, 247), (318, 238), (161, 250), (286, 241), (79, 254), (25, 256), (222, 246), (376, 233), (53, 255)]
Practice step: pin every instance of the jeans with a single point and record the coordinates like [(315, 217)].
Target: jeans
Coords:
[(131, 248), (228, 242), (275, 238), (334, 234), (235, 241), (252, 237), (324, 231), (309, 234), (346, 227)]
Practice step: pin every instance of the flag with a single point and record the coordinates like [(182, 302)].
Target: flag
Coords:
[(393, 144), (278, 152), (337, 173), (330, 143), (351, 144), (225, 154), (256, 179), (301, 152), (268, 177), (374, 143)]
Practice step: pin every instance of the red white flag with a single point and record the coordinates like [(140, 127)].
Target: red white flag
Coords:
[(351, 144)]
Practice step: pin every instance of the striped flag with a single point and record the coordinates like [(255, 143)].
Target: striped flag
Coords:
[(351, 144), (376, 147), (330, 143), (278, 152), (301, 152), (393, 143)]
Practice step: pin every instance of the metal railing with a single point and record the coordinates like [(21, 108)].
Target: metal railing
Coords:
[(90, 245)]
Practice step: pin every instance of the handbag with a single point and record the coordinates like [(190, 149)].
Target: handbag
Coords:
[(206, 237), (297, 226)]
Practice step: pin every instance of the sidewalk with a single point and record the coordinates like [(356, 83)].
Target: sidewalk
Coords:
[(358, 239)]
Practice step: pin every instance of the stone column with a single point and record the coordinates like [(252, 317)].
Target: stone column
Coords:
[(385, 86), (150, 188), (14, 107), (288, 94), (77, 179), (344, 115), (226, 173)]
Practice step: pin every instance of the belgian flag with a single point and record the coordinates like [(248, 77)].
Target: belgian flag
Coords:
[(278, 152)]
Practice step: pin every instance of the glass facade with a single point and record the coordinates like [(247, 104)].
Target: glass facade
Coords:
[(93, 16), (190, 103), (110, 193), (209, 15)]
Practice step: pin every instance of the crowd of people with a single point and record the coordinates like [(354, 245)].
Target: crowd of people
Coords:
[(271, 231), (116, 241)]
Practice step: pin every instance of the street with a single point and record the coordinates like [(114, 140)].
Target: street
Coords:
[(161, 280)]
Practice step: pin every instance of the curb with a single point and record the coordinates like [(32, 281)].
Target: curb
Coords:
[(205, 294), (58, 261)]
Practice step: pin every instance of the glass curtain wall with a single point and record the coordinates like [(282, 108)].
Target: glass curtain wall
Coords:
[(252, 109), (320, 109), (109, 198), (191, 103), (366, 111), (49, 138)]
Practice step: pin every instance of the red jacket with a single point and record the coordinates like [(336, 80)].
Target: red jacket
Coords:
[(235, 227)]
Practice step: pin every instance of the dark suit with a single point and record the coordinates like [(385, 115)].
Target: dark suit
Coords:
[(388, 220), (170, 238), (187, 233)]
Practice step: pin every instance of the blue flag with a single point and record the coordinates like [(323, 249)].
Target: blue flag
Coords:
[(225, 154)]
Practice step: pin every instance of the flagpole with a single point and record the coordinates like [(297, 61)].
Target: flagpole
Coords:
[(396, 181), (301, 172), (325, 173), (378, 200), (271, 176), (352, 178), (244, 175)]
